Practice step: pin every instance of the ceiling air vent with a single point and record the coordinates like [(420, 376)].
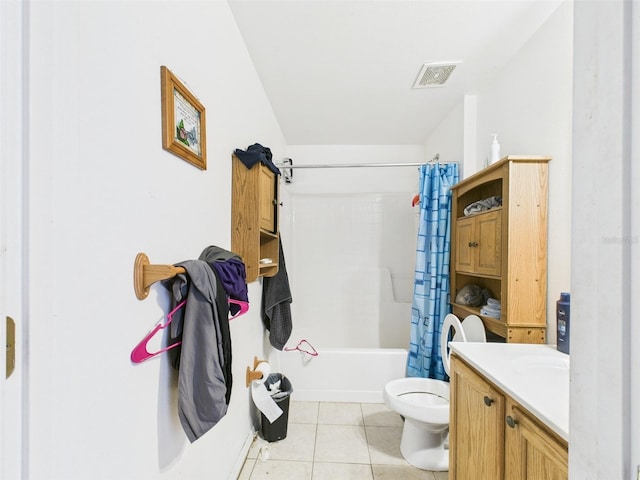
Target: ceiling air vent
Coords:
[(434, 74)]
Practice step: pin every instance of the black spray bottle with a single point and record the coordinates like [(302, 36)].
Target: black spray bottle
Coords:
[(563, 311)]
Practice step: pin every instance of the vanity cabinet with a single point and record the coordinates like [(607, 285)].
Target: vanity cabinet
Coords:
[(504, 249), (476, 426), (531, 451), (476, 431), (492, 437), (254, 218)]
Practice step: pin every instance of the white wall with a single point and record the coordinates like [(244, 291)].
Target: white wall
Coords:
[(604, 268), (350, 234), (634, 227), (102, 189), (529, 106), (448, 138)]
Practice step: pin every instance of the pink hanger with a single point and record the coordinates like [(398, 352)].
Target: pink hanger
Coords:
[(301, 347), (244, 307), (140, 353)]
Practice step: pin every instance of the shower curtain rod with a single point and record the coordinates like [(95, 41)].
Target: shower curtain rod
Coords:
[(350, 165), (288, 164)]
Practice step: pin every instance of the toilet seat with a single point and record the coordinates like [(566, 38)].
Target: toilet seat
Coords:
[(410, 395), (424, 399), (450, 322)]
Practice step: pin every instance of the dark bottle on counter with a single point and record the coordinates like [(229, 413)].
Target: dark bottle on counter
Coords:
[(563, 311)]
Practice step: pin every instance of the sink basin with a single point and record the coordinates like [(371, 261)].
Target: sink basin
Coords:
[(541, 363), (552, 371)]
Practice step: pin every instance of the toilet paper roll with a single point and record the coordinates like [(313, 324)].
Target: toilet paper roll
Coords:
[(261, 397), (265, 369)]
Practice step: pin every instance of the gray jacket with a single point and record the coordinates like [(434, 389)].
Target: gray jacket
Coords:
[(201, 383)]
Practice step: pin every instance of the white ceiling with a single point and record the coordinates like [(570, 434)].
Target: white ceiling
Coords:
[(341, 72)]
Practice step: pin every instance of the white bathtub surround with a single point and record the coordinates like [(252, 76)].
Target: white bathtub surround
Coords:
[(536, 376), (341, 374), (349, 236)]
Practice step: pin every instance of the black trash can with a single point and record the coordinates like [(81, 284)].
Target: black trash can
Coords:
[(272, 432)]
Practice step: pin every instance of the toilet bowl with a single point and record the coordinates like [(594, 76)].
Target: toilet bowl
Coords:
[(424, 402)]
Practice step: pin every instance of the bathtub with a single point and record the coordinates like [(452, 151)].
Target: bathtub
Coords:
[(341, 374)]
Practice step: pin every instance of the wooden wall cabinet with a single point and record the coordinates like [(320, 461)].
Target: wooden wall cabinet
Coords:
[(254, 218), (479, 243), (504, 249), (492, 437)]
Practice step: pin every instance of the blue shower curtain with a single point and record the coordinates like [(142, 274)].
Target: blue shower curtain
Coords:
[(431, 283)]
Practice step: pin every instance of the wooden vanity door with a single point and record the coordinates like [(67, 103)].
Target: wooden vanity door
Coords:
[(532, 452), (476, 426)]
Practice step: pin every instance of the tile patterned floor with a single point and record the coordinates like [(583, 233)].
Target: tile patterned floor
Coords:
[(346, 441)]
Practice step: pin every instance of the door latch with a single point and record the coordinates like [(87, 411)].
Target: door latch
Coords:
[(11, 347)]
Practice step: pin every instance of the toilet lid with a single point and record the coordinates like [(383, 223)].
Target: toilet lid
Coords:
[(450, 321), (474, 329)]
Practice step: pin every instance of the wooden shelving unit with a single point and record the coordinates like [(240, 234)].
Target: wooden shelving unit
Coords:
[(504, 249)]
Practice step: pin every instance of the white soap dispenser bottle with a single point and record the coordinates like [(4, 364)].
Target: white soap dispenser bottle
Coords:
[(495, 149)]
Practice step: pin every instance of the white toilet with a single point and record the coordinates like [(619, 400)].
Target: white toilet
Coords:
[(424, 402)]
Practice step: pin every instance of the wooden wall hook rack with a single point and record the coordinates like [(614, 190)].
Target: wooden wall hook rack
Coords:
[(145, 274), (252, 374)]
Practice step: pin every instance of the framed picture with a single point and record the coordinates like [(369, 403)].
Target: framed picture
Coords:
[(183, 121)]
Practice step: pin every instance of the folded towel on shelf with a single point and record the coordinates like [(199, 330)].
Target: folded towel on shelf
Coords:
[(491, 309), (482, 205), (493, 303), (490, 313)]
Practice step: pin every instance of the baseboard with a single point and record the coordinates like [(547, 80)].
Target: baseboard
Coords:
[(239, 463)]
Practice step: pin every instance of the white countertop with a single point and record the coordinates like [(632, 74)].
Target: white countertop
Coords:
[(535, 376)]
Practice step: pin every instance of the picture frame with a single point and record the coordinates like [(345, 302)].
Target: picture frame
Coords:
[(183, 121)]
